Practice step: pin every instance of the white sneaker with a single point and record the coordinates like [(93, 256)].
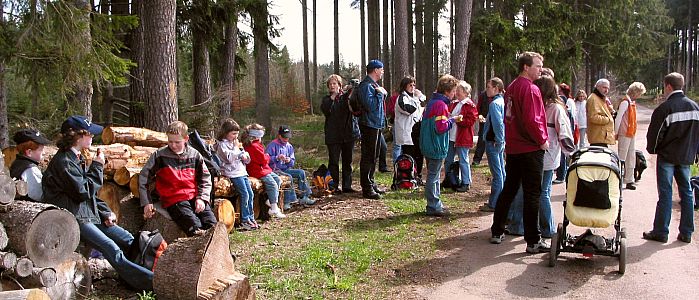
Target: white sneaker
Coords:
[(275, 212)]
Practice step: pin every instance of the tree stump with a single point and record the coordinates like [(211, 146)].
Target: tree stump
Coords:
[(134, 136), (31, 294), (225, 212), (23, 267), (127, 208), (8, 260), (162, 221), (43, 232), (73, 279), (200, 268), (40, 278), (8, 189)]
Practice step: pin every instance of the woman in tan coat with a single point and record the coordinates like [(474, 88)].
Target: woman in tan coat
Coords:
[(600, 122)]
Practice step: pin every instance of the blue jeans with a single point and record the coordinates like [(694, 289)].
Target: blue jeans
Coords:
[(563, 168), (242, 185), (546, 223), (272, 182), (298, 178), (663, 210), (397, 151), (434, 167), (112, 242), (496, 162)]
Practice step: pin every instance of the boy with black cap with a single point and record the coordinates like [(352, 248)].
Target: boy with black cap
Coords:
[(282, 160), (30, 148)]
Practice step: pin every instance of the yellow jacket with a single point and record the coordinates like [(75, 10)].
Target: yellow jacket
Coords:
[(600, 123)]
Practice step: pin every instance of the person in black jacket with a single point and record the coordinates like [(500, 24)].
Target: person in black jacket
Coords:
[(70, 184), (341, 131), (30, 148), (673, 134)]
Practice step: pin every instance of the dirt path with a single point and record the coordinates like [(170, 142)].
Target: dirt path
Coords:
[(468, 267)]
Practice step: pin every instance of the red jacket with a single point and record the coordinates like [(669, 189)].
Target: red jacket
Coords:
[(464, 131), (525, 117), (259, 160)]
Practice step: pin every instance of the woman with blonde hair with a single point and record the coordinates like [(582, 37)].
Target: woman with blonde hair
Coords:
[(581, 117), (625, 128)]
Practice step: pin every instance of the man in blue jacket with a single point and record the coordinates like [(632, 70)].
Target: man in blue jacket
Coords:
[(673, 134), (371, 121)]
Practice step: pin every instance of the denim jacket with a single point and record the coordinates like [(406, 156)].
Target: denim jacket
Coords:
[(372, 103)]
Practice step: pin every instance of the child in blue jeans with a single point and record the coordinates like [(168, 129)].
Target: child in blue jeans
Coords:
[(258, 166), (233, 160), (282, 161)]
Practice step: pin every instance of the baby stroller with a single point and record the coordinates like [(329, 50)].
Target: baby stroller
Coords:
[(593, 199), (404, 173)]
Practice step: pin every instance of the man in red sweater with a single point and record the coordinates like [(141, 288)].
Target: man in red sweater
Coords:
[(526, 139)]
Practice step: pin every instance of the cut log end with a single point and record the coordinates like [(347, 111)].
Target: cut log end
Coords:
[(31, 294), (24, 267)]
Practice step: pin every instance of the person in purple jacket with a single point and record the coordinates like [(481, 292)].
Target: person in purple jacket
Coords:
[(282, 160), (526, 138)]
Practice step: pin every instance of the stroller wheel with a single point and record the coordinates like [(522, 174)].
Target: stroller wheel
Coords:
[(553, 255), (622, 255), (622, 232)]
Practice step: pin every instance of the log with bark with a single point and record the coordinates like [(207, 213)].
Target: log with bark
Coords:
[(127, 208), (225, 212), (133, 186), (73, 279), (8, 189), (40, 278), (43, 232), (162, 221), (123, 175), (30, 294), (134, 136), (118, 156), (200, 267)]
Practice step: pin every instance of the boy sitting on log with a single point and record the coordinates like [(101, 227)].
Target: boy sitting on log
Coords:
[(282, 161), (30, 147), (182, 183)]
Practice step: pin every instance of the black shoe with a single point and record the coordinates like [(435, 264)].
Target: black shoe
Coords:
[(378, 190), (684, 238), (631, 186), (463, 188), (349, 190), (558, 181), (650, 235), (438, 213), (371, 195)]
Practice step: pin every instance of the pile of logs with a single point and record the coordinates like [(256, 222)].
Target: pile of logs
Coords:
[(43, 238)]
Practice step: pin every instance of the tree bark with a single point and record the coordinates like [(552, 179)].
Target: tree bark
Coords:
[(202, 71), (373, 30), (136, 87), (134, 136), (362, 19), (420, 74), (387, 80), (160, 74), (228, 76), (411, 39), (4, 123), (336, 36), (315, 48), (43, 232), (462, 30), (162, 221), (401, 65), (81, 89), (262, 105), (209, 266), (306, 73), (73, 279), (30, 294)]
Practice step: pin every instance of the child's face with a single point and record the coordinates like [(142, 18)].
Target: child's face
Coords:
[(232, 136), (36, 154), (84, 142), (176, 143)]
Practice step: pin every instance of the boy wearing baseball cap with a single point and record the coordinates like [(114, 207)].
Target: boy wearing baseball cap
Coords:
[(30, 148)]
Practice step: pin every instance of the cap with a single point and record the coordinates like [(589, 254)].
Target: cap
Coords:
[(285, 131), (374, 64), (80, 123), (26, 135)]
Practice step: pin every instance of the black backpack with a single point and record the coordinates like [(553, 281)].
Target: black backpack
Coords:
[(146, 248), (452, 177), (213, 163), (355, 105)]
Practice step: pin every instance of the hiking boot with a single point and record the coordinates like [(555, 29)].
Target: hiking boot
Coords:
[(371, 195), (650, 235), (275, 212), (497, 239), (541, 246), (631, 186), (486, 208), (307, 201), (463, 188), (438, 213), (684, 238)]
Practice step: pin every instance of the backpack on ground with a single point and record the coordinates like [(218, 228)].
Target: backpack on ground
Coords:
[(322, 181), (641, 165), (213, 162), (404, 173), (452, 177), (147, 248)]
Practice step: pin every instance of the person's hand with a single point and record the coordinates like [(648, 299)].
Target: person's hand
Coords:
[(417, 93), (244, 156), (111, 221), (199, 206), (148, 211), (545, 146), (99, 157), (287, 159), (280, 157), (381, 90), (458, 118), (481, 119)]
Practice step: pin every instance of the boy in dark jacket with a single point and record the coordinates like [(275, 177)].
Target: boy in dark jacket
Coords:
[(30, 145), (70, 184), (182, 183)]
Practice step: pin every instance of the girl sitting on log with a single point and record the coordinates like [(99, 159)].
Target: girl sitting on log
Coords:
[(70, 184), (30, 148), (233, 159), (259, 166)]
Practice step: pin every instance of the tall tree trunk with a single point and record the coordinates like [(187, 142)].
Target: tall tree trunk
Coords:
[(362, 19), (81, 90), (306, 79), (401, 50), (411, 39), (387, 83), (159, 70), (120, 93), (462, 31), (4, 135), (136, 90), (228, 76), (451, 33), (427, 48), (374, 29), (336, 36), (315, 48), (260, 27), (201, 69), (435, 43), (690, 38)]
